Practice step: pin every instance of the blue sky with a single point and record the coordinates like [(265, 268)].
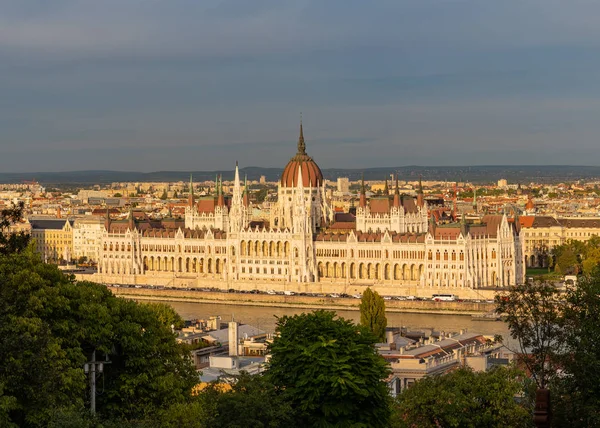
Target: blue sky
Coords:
[(151, 85)]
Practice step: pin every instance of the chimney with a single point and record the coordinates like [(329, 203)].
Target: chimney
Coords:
[(389, 336), (233, 339), (402, 350)]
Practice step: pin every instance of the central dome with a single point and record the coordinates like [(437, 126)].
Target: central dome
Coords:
[(311, 173)]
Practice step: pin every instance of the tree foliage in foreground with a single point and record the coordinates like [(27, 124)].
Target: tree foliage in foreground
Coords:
[(372, 313), (12, 242), (533, 314), (559, 333), (49, 327), (502, 397), (328, 370), (576, 392), (253, 401)]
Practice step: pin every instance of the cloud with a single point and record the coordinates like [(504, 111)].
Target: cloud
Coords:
[(188, 84)]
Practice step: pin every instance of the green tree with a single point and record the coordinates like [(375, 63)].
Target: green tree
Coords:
[(12, 242), (372, 313), (118, 195), (329, 371), (567, 262), (166, 315), (49, 327), (164, 196), (533, 314), (576, 393), (464, 398), (252, 402)]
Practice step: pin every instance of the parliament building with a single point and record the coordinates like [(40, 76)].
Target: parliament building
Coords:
[(392, 243)]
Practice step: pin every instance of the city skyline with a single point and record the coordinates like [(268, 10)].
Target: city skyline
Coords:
[(150, 86)]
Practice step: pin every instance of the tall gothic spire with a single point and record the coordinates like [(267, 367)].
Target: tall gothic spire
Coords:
[(420, 200), (131, 219), (220, 197), (237, 191), (301, 145), (246, 197), (191, 196), (107, 220), (397, 194), (363, 195), (386, 188)]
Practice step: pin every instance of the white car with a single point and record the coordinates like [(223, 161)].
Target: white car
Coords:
[(411, 298), (357, 296), (288, 293), (271, 292), (334, 295)]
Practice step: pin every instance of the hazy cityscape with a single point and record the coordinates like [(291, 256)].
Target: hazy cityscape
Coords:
[(274, 214)]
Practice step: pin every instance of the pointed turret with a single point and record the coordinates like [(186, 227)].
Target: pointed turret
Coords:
[(420, 199), (237, 187), (131, 219), (246, 196), (363, 194), (107, 220), (432, 225), (220, 197), (397, 194), (386, 189), (191, 195), (463, 225), (301, 144)]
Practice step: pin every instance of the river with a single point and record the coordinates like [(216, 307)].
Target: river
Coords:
[(265, 318)]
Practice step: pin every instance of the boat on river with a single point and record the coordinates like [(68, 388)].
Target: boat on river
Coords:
[(487, 316)]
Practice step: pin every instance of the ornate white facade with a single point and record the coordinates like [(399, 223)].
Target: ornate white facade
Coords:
[(390, 243)]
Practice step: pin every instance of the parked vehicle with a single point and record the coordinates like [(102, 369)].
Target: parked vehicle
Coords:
[(272, 292), (334, 295), (443, 297), (288, 293)]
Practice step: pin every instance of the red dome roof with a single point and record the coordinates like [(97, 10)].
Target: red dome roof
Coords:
[(311, 173)]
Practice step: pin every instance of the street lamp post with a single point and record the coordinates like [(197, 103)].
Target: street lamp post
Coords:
[(90, 369)]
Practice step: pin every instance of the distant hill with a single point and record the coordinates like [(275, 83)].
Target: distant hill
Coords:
[(479, 174)]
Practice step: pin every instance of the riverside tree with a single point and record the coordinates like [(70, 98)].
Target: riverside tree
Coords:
[(464, 398), (372, 313), (328, 370)]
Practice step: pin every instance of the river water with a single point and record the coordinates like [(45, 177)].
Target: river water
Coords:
[(265, 318)]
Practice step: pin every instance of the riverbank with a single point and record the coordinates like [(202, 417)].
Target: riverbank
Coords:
[(300, 302)]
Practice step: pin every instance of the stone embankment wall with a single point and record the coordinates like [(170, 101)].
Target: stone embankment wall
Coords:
[(324, 287), (266, 300)]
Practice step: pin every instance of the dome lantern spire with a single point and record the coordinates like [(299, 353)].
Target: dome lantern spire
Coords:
[(301, 144)]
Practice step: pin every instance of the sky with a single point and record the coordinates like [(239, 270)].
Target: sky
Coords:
[(153, 85)]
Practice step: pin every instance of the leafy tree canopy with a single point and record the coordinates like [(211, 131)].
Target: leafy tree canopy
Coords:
[(464, 398), (12, 242), (372, 313), (533, 312), (329, 371), (49, 327)]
